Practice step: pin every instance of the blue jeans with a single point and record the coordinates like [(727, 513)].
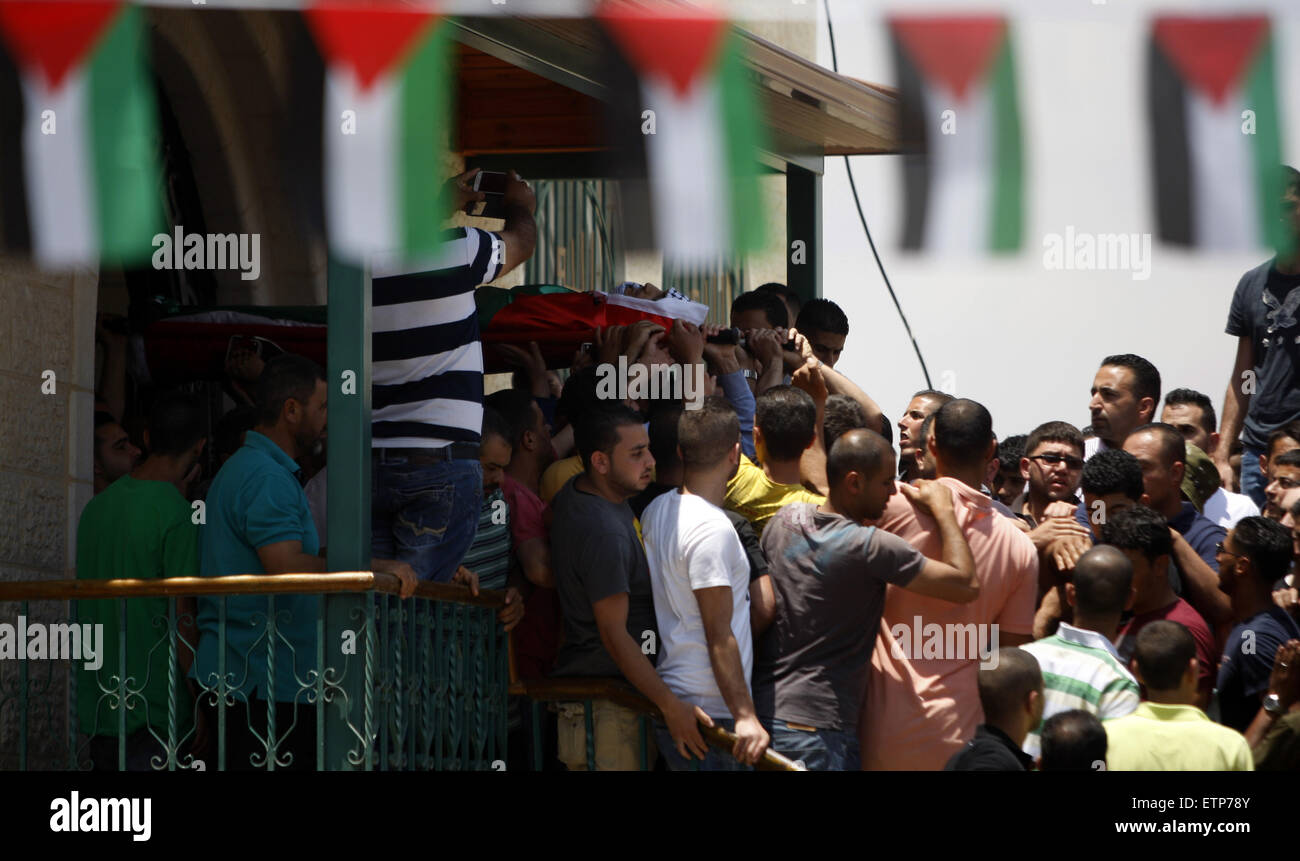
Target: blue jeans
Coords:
[(818, 750), (1253, 481), (426, 514), (716, 760)]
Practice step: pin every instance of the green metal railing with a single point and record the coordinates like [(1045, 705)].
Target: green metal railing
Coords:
[(431, 674)]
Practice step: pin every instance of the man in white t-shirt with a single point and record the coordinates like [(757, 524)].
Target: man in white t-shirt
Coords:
[(700, 577)]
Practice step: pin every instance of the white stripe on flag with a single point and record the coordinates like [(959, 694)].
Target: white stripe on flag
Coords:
[(61, 195), (361, 168), (959, 205), (688, 172), (678, 309), (1222, 174)]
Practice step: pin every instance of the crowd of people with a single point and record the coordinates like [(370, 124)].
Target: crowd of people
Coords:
[(1118, 596)]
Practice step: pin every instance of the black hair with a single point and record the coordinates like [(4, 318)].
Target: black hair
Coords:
[(228, 435), (767, 302), (790, 297), (1173, 448), (963, 430), (598, 429), (822, 315), (515, 407), (1267, 544), (175, 424), (663, 432), (284, 377), (1103, 579), (1112, 471), (578, 395), (1290, 430), (1288, 458), (1072, 740), (1163, 651), (707, 435), (1063, 432), (103, 417), (842, 414), (495, 424), (1139, 528), (788, 419), (859, 450), (1290, 180), (1146, 379), (1010, 450), (1003, 687), (1193, 398)]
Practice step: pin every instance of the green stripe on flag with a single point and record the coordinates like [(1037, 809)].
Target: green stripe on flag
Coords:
[(124, 142), (1266, 146), (744, 138), (425, 105), (1008, 191)]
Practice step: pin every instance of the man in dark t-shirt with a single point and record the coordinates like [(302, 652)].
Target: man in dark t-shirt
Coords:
[(1256, 552), (1264, 391), (830, 573), (603, 583)]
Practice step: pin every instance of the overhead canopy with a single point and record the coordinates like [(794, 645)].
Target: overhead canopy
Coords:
[(530, 86)]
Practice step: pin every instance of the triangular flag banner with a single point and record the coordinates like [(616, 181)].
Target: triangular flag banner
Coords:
[(1216, 131), (964, 187), (387, 114), (699, 127), (89, 151)]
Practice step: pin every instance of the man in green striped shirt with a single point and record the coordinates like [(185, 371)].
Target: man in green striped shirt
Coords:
[(1081, 669)]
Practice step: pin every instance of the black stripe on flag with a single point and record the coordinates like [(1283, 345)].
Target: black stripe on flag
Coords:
[(1170, 149), (15, 232), (624, 157), (916, 161)]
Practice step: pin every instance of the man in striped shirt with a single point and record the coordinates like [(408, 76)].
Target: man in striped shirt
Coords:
[(428, 387), (1081, 669)]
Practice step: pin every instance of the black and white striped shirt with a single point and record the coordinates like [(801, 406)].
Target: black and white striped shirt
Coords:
[(428, 359)]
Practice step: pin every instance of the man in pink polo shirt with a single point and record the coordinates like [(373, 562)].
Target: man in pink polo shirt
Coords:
[(922, 700)]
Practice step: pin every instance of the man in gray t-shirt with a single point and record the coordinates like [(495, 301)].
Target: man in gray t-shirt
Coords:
[(829, 574)]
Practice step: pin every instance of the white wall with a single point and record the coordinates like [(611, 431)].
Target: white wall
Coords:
[(1021, 339)]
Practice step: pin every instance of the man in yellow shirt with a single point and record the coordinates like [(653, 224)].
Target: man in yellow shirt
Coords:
[(1168, 732), (785, 425)]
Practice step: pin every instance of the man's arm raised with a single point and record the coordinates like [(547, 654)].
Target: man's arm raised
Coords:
[(954, 578)]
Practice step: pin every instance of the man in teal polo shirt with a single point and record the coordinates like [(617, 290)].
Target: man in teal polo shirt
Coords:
[(259, 522)]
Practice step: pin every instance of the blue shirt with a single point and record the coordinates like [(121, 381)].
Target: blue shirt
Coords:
[(1248, 662), (1199, 532), (256, 500)]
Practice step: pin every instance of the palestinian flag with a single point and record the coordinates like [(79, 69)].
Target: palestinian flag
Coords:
[(700, 146), (561, 320), (386, 117), (963, 181), (89, 187), (1215, 166)]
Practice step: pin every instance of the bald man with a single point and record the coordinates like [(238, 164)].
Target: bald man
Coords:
[(1011, 694), (829, 574), (1081, 669)]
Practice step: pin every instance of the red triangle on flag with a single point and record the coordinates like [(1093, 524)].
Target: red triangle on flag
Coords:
[(369, 40), (1211, 53), (54, 37), (678, 44), (956, 51)]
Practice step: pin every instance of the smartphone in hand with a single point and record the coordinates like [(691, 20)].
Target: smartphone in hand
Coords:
[(493, 185)]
